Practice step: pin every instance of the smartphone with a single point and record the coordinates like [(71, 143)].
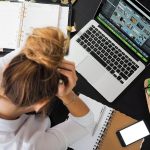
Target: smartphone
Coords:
[(133, 133)]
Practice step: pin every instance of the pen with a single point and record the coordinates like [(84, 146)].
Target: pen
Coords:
[(101, 114), (7, 50), (70, 17)]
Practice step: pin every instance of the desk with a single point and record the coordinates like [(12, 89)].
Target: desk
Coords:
[(132, 101)]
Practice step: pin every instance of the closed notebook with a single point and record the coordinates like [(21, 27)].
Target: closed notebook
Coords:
[(18, 20), (105, 137)]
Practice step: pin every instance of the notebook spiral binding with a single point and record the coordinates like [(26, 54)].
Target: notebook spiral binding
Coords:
[(104, 129)]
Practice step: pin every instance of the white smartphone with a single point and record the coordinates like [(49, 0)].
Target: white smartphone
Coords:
[(133, 133)]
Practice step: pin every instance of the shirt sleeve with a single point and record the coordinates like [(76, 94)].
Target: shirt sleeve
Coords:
[(63, 135), (7, 58), (4, 61)]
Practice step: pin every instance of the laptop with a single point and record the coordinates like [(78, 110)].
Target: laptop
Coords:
[(112, 49)]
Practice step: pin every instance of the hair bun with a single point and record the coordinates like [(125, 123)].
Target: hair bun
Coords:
[(46, 46)]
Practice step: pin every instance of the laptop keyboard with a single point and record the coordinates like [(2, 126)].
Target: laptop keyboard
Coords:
[(108, 54)]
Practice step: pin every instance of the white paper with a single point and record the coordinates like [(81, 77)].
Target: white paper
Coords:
[(9, 24), (36, 15), (63, 19), (39, 15), (88, 142)]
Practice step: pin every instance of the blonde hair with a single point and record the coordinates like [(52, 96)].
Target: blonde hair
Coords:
[(46, 46), (33, 75)]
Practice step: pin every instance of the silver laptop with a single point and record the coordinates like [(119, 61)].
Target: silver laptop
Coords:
[(111, 50)]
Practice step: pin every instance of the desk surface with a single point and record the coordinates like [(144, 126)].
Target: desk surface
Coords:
[(132, 101)]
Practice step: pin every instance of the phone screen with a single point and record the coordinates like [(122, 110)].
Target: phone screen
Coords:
[(134, 132)]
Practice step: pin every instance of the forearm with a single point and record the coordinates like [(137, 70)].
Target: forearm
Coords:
[(75, 105)]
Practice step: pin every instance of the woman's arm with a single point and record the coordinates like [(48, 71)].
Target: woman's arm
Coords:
[(74, 104), (80, 121), (65, 134)]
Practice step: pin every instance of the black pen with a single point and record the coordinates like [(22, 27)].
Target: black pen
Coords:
[(8, 50), (69, 18)]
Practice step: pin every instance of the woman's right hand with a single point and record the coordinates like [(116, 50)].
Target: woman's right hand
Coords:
[(74, 104), (67, 69)]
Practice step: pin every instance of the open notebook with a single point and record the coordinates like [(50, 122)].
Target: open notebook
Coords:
[(91, 142), (105, 137), (18, 20)]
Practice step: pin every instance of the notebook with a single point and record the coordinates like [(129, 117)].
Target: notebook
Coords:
[(112, 49), (18, 20), (105, 137)]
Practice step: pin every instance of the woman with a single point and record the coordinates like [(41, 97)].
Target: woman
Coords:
[(29, 82)]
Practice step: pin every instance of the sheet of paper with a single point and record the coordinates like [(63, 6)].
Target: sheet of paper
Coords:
[(63, 19), (9, 24), (39, 15), (94, 106), (89, 141)]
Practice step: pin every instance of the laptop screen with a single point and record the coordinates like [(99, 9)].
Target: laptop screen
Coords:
[(130, 24)]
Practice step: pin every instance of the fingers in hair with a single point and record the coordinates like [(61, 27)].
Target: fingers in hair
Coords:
[(68, 65)]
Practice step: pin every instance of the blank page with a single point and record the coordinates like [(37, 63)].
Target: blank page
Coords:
[(9, 24), (63, 18), (39, 15)]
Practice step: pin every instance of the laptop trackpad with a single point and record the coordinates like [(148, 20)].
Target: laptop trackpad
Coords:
[(91, 70)]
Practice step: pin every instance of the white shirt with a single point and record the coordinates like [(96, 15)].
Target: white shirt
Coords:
[(31, 132)]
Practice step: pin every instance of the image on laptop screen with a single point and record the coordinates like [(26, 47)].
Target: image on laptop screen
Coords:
[(128, 24)]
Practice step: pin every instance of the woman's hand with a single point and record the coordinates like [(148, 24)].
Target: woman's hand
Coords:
[(73, 103), (67, 69)]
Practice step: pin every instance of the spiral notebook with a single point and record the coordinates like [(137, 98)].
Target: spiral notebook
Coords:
[(18, 20), (105, 137)]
